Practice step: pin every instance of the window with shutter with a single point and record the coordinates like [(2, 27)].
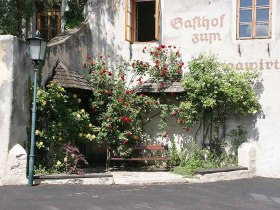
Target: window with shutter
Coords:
[(142, 20)]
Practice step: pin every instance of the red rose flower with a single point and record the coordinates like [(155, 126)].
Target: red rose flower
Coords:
[(174, 113), (180, 120), (110, 73), (128, 133), (137, 138), (187, 129), (125, 141)]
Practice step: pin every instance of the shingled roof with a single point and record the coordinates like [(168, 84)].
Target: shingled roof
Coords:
[(69, 79), (150, 86)]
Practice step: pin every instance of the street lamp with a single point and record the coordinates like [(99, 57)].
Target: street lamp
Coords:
[(37, 48)]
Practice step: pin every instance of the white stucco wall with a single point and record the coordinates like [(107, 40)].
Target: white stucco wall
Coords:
[(267, 125), (107, 22), (6, 76), (15, 72)]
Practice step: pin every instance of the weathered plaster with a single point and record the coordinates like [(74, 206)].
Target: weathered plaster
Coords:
[(14, 98)]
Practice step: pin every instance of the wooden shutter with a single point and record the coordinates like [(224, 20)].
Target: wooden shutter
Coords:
[(157, 15), (129, 20)]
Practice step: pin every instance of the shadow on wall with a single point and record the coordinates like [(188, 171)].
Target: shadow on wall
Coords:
[(94, 37), (250, 122), (102, 16), (177, 135), (71, 48)]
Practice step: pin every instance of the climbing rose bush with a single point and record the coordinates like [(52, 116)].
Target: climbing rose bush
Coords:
[(60, 120), (120, 112)]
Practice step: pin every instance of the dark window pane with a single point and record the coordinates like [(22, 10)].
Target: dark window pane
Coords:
[(146, 21), (54, 33), (262, 2), (54, 21), (245, 3), (44, 22), (245, 30), (262, 29), (262, 14), (246, 15), (44, 34)]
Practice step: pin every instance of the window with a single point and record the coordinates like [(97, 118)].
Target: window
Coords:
[(254, 19), (48, 23), (141, 20)]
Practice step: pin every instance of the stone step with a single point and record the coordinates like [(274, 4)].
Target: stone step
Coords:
[(218, 170)]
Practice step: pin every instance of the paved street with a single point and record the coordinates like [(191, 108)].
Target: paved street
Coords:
[(255, 194)]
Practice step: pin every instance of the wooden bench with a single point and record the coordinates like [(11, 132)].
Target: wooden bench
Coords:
[(147, 153)]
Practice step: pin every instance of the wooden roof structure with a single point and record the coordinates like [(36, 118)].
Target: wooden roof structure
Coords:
[(150, 86), (70, 79)]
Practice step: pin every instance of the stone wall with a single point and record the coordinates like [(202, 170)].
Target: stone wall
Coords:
[(71, 48), (15, 75)]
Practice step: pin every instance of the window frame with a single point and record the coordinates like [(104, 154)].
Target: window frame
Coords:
[(49, 14), (130, 20), (254, 22)]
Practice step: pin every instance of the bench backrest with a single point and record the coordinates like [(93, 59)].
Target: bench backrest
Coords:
[(151, 147)]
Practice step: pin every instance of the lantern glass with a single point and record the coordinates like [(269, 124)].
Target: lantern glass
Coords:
[(37, 49)]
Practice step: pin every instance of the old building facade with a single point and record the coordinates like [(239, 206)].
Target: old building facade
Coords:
[(242, 33)]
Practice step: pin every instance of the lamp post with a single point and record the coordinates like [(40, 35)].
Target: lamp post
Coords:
[(37, 48)]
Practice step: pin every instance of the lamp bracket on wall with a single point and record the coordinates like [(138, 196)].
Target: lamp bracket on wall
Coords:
[(239, 50), (268, 49)]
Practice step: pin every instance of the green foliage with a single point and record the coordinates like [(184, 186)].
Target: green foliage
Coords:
[(214, 93), (238, 136), (74, 17), (119, 112), (164, 67), (198, 158), (60, 120), (15, 16)]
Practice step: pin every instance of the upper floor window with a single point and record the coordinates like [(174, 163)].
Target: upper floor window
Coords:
[(48, 23), (254, 19), (141, 20)]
